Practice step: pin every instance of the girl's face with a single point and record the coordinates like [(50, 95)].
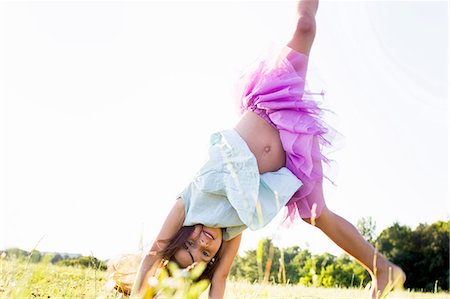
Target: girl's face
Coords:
[(201, 246)]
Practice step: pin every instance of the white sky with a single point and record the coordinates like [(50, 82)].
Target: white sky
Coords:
[(106, 110)]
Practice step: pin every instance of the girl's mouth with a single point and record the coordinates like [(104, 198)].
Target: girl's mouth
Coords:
[(208, 235)]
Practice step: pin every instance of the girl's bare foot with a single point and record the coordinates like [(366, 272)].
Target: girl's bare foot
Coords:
[(386, 279)]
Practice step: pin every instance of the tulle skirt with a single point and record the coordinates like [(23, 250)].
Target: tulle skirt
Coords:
[(274, 88)]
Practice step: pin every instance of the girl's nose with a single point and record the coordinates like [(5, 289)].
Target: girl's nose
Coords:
[(204, 243)]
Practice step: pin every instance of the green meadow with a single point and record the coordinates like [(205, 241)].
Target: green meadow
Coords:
[(21, 279)]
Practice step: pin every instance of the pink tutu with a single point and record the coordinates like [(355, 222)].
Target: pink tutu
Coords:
[(275, 90)]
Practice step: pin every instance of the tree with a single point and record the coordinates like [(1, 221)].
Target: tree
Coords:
[(423, 253), (84, 262), (17, 253), (47, 258), (56, 258), (366, 227), (35, 256)]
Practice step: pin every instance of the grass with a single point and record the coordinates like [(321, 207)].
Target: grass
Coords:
[(247, 290), (27, 280), (24, 280)]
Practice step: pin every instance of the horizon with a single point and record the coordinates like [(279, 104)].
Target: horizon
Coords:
[(240, 253)]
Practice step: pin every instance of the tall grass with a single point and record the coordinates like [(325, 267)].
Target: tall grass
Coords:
[(42, 280), (27, 280), (247, 290)]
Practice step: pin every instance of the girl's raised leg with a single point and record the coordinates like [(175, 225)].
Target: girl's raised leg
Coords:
[(305, 30)]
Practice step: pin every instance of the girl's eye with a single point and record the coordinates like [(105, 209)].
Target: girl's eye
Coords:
[(205, 253), (191, 243)]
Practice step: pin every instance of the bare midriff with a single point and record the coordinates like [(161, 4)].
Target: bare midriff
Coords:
[(263, 140)]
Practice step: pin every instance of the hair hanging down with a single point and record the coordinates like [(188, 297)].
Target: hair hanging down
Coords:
[(178, 241), (175, 243), (123, 269)]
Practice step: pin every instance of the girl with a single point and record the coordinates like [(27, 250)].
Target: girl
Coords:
[(270, 159)]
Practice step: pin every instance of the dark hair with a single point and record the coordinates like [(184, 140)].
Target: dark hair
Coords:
[(178, 241)]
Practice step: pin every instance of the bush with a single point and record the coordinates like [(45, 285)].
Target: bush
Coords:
[(84, 262)]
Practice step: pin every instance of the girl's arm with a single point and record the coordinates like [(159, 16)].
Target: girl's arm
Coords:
[(227, 253), (172, 224)]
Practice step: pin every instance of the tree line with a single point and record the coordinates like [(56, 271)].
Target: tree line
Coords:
[(423, 253), (75, 260)]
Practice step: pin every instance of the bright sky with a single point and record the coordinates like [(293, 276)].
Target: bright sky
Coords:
[(106, 110)]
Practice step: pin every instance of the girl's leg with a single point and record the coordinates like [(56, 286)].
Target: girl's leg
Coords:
[(305, 31), (385, 275)]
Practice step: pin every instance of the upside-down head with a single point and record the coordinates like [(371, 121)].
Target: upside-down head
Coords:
[(194, 244)]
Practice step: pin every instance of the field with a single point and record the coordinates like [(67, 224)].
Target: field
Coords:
[(27, 280)]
